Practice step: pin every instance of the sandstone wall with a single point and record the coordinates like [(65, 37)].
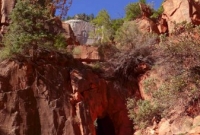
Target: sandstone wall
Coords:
[(56, 95), (179, 11), (6, 8)]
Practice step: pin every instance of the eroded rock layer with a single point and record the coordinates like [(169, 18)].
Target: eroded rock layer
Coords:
[(56, 95)]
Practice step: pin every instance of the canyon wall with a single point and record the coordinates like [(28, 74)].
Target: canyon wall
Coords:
[(56, 95)]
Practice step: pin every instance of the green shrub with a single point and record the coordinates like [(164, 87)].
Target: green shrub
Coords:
[(76, 51), (149, 85), (142, 112), (173, 82), (157, 13), (129, 37), (133, 11), (31, 26), (103, 26)]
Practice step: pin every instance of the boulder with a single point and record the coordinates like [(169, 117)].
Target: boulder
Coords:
[(164, 127), (181, 125)]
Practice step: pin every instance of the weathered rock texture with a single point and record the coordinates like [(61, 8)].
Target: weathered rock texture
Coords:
[(69, 34), (176, 126), (85, 53), (146, 25), (176, 11), (6, 8), (82, 31), (56, 95), (179, 11)]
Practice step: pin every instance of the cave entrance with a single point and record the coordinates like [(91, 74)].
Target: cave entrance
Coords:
[(104, 126)]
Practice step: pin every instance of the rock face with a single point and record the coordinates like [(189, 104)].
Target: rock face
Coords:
[(176, 11), (82, 30), (55, 95), (179, 11), (69, 34), (85, 53), (176, 126), (6, 8), (146, 25)]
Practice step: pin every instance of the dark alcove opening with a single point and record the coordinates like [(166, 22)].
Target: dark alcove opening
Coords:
[(104, 126)]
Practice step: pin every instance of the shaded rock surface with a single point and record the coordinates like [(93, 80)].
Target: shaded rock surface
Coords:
[(55, 95), (6, 8), (69, 34), (85, 53)]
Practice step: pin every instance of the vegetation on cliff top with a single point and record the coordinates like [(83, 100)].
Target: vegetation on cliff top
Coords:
[(32, 26), (175, 60)]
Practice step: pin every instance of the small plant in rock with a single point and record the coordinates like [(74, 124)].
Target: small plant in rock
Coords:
[(76, 51), (157, 13), (96, 67), (142, 112)]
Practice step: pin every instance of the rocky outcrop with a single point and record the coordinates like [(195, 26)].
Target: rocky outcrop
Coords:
[(54, 94), (69, 34), (179, 11), (85, 53), (176, 11), (176, 126), (6, 8), (146, 25), (83, 31)]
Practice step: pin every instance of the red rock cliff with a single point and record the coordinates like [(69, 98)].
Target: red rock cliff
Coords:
[(56, 95)]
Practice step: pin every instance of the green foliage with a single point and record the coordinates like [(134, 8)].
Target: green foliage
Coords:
[(60, 41), (143, 1), (96, 67), (104, 26), (102, 19), (133, 11), (142, 112), (76, 51), (116, 24), (149, 85), (174, 80), (157, 13), (82, 16), (31, 27), (124, 37)]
